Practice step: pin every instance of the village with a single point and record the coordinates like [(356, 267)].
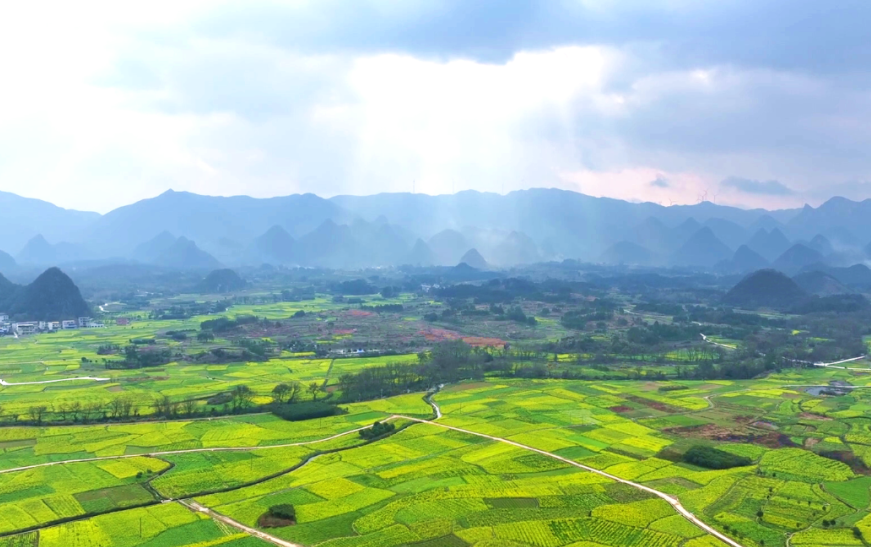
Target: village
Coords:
[(33, 327)]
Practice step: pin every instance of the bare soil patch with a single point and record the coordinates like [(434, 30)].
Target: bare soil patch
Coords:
[(267, 520), (715, 432), (656, 405), (621, 409), (811, 416)]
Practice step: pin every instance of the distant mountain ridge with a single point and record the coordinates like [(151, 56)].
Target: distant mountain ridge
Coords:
[(380, 230)]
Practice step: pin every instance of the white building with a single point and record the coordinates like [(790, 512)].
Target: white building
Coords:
[(25, 328), (69, 324), (4, 317), (83, 322)]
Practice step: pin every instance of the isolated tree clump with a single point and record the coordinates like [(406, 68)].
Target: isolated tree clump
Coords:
[(378, 429)]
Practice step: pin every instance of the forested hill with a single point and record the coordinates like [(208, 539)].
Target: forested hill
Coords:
[(51, 297)]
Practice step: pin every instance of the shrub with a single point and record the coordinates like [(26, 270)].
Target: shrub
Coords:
[(306, 411), (378, 429), (713, 458), (284, 511)]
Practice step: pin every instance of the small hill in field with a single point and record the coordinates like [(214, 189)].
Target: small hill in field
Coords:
[(51, 297), (765, 289)]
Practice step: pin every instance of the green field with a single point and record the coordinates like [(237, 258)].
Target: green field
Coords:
[(432, 486)]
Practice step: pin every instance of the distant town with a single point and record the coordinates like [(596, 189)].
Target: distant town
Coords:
[(33, 327)]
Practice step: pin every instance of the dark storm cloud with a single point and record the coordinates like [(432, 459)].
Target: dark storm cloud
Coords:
[(765, 188), (803, 35)]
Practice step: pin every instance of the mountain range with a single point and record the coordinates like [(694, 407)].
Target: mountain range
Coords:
[(181, 230)]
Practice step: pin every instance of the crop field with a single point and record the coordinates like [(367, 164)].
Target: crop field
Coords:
[(432, 486), (163, 525), (799, 440), (36, 497), (23, 446), (427, 484), (51, 357)]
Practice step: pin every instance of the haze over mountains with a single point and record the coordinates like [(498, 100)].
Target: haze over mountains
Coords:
[(180, 230)]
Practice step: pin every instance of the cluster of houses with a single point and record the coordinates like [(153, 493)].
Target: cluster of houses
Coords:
[(32, 327)]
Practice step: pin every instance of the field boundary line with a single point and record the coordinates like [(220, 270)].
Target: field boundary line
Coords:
[(194, 450)]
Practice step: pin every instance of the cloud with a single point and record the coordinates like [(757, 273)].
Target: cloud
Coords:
[(633, 99), (765, 188)]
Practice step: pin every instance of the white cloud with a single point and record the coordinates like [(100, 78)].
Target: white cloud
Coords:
[(104, 103)]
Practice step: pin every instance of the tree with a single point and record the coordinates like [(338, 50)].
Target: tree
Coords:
[(285, 511), (314, 388), (279, 393), (75, 410), (116, 407), (36, 413), (242, 397), (293, 393), (189, 406)]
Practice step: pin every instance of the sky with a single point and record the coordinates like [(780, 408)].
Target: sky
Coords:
[(738, 102)]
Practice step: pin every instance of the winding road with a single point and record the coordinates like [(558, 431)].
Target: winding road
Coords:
[(684, 512), (194, 506)]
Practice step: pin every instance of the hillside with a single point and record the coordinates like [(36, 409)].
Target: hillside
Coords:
[(448, 247), (769, 244), (795, 258), (6, 261), (24, 218), (765, 289), (820, 284), (625, 252), (474, 259), (421, 254), (37, 251), (702, 249), (275, 246), (185, 255), (7, 289), (744, 260), (220, 281), (516, 248), (150, 250), (51, 297)]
